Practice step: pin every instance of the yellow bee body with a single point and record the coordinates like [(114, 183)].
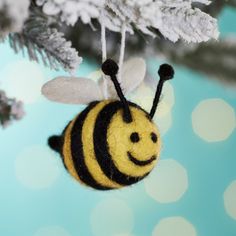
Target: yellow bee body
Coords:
[(99, 152)]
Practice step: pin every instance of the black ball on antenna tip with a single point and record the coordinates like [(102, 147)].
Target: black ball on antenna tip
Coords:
[(166, 72), (109, 67)]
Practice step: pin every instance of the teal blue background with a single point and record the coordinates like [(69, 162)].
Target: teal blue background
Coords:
[(211, 167)]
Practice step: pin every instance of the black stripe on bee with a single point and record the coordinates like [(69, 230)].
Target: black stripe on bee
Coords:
[(77, 150), (101, 147)]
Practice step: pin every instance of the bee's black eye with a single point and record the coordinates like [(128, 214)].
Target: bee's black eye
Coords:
[(154, 137), (134, 137)]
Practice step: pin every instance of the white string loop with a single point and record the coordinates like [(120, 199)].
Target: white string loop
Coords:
[(103, 38), (122, 50), (104, 54)]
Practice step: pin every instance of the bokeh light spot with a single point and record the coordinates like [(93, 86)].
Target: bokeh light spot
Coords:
[(230, 199), (174, 226), (23, 80), (112, 217), (213, 120), (51, 231), (168, 182), (37, 167)]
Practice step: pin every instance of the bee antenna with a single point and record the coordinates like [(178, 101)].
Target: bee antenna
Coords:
[(110, 68), (166, 72)]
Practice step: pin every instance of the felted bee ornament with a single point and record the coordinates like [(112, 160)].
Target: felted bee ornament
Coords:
[(112, 143)]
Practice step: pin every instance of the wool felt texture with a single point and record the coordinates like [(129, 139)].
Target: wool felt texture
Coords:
[(132, 74), (98, 151), (118, 139), (55, 143), (76, 90), (109, 67), (112, 144), (166, 72), (73, 153), (67, 154), (72, 90)]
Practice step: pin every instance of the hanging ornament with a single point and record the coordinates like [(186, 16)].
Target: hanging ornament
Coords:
[(113, 142)]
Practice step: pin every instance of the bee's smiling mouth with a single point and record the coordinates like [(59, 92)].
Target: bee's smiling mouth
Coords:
[(140, 163)]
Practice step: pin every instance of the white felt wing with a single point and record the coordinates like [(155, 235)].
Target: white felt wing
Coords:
[(132, 74), (72, 90)]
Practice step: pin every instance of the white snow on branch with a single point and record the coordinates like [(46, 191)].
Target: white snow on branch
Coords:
[(10, 110), (197, 26), (71, 10), (12, 15), (45, 42), (175, 19)]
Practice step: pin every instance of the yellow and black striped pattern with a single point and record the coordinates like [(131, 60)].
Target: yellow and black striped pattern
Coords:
[(97, 150)]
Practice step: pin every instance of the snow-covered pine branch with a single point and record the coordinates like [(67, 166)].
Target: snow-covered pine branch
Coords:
[(174, 19), (12, 15), (41, 40), (71, 10), (10, 109)]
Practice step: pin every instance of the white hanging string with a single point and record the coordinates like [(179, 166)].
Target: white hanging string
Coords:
[(104, 54), (103, 39), (122, 49)]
